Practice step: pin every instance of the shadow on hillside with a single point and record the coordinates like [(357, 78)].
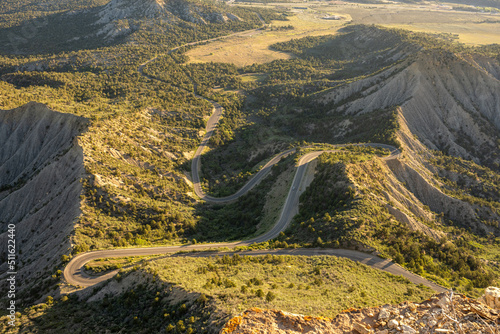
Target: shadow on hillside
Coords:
[(61, 32), (145, 305)]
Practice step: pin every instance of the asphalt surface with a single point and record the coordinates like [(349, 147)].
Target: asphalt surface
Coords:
[(75, 275)]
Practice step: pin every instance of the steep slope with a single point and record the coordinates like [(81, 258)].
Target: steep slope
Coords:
[(162, 21), (185, 10), (444, 101), (419, 177), (437, 204), (40, 168), (488, 64), (358, 49), (118, 16), (448, 103), (122, 9)]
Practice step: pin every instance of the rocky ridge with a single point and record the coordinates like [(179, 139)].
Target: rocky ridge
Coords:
[(117, 16), (41, 165), (443, 313), (448, 101), (122, 9)]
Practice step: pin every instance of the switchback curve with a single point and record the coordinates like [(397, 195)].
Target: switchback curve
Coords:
[(75, 275)]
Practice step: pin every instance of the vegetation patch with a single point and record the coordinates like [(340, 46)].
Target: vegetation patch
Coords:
[(198, 295), (352, 213)]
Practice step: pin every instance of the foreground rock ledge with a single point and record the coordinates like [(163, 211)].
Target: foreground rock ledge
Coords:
[(443, 313)]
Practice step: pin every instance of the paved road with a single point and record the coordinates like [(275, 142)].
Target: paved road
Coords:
[(74, 274)]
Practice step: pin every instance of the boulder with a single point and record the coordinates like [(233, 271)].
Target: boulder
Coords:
[(393, 323), (405, 329), (361, 329), (491, 297), (383, 314)]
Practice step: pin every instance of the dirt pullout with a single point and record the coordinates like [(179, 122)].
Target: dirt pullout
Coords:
[(40, 168), (443, 313)]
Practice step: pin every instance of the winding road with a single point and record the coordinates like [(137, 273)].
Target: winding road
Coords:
[(74, 271)]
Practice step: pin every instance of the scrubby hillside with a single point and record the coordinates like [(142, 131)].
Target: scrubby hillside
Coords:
[(119, 17), (168, 10), (122, 9), (435, 208), (122, 21), (198, 295), (360, 202), (448, 103), (41, 166), (443, 99)]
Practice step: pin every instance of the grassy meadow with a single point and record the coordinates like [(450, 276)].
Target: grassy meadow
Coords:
[(466, 27)]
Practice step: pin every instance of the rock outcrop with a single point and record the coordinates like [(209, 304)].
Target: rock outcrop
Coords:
[(491, 297), (443, 313), (41, 165), (123, 9), (118, 15)]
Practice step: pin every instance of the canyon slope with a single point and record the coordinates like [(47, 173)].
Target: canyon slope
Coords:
[(444, 101), (41, 165)]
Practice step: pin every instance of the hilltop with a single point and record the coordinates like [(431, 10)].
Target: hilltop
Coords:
[(122, 21), (169, 10), (119, 16)]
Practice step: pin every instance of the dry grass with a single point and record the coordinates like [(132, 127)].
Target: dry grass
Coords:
[(248, 49), (253, 77), (104, 264), (480, 34), (470, 27), (254, 48)]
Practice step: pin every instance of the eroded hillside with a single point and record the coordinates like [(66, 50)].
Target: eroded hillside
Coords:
[(70, 27), (435, 206), (41, 165), (449, 103)]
